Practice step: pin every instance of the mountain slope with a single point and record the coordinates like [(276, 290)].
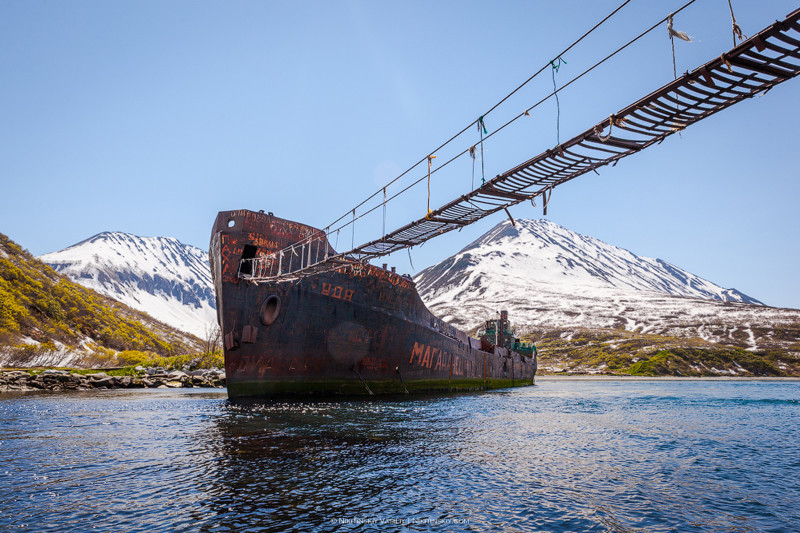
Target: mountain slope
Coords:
[(169, 280), (552, 279), (543, 252), (47, 319)]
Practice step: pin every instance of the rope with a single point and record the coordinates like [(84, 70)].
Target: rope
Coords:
[(676, 33), (509, 95), (409, 259), (555, 92), (557, 62), (353, 238), (680, 35), (482, 131), (737, 31), (672, 34), (727, 63), (605, 137), (384, 211), (430, 161), (514, 119), (472, 155), (534, 106)]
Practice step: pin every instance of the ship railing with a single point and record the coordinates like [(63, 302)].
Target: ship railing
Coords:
[(313, 251)]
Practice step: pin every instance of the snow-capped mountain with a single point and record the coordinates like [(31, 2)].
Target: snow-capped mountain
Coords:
[(540, 251), (547, 276), (166, 279)]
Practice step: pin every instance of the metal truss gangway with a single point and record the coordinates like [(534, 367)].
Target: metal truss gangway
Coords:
[(752, 68)]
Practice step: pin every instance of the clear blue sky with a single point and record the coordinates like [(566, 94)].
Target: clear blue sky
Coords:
[(149, 117)]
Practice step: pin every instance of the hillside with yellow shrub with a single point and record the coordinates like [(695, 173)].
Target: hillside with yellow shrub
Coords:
[(46, 319)]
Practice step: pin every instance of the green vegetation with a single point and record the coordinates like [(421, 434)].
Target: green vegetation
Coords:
[(61, 316), (701, 362), (207, 360), (623, 352)]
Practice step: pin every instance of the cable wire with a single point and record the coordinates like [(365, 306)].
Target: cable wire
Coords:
[(514, 119), (495, 106), (537, 104)]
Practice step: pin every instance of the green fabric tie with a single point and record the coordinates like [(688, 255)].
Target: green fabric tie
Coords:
[(481, 125)]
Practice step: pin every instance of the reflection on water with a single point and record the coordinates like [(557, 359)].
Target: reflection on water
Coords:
[(562, 456)]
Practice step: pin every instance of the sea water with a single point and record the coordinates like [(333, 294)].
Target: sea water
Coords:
[(565, 455)]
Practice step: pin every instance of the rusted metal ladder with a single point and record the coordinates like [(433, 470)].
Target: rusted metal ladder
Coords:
[(753, 67)]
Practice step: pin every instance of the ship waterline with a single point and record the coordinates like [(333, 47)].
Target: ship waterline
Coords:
[(356, 330)]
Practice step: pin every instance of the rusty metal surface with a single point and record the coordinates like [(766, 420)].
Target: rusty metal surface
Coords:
[(356, 330)]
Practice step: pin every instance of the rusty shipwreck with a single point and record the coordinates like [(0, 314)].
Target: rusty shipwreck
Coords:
[(299, 318), (357, 329)]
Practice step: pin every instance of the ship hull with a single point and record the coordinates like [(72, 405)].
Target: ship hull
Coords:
[(360, 330)]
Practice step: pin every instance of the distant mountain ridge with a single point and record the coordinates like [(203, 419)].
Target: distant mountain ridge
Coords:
[(550, 278), (161, 276), (47, 319), (544, 252), (556, 284)]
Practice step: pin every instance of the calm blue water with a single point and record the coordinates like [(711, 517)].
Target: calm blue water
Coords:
[(567, 455)]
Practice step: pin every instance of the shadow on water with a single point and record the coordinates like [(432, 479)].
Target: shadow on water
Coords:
[(304, 465)]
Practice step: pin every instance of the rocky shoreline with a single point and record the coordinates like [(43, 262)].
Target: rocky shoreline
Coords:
[(151, 378)]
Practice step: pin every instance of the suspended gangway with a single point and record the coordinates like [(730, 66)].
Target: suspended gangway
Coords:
[(751, 68)]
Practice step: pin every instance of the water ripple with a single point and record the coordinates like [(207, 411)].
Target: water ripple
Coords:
[(562, 456)]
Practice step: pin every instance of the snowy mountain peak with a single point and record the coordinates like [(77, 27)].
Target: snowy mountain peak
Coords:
[(161, 276), (542, 251), (507, 230), (143, 253), (548, 276)]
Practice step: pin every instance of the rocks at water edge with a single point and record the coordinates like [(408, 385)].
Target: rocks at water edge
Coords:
[(60, 380)]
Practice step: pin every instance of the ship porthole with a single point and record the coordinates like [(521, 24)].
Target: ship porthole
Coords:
[(270, 310), (231, 223)]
